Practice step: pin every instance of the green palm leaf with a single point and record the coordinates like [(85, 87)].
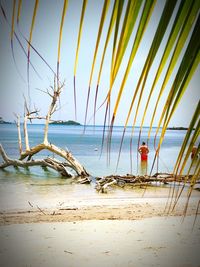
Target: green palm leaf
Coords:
[(184, 21), (103, 16), (192, 141), (29, 43), (185, 72), (119, 14), (111, 25), (13, 21), (127, 29), (166, 15), (19, 10), (77, 51), (186, 139), (60, 34), (187, 68), (132, 11), (32, 26)]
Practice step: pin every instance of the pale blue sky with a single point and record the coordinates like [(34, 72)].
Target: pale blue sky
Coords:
[(45, 40)]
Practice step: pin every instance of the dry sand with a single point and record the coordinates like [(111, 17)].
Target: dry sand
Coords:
[(100, 230), (162, 242)]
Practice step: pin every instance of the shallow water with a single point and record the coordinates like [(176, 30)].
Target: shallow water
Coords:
[(21, 185), (87, 147)]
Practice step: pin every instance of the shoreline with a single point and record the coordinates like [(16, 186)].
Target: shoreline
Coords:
[(97, 209)]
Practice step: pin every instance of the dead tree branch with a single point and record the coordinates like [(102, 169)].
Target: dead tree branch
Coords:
[(139, 181), (47, 162), (69, 160)]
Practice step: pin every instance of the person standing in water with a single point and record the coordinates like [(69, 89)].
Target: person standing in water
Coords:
[(143, 150), (194, 152)]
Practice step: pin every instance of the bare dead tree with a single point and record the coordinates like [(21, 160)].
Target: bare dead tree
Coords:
[(26, 155)]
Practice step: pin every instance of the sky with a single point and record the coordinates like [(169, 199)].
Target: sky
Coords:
[(13, 77)]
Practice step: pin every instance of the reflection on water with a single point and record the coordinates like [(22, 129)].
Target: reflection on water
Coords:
[(143, 167)]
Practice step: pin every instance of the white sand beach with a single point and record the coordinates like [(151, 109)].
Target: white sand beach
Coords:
[(117, 229), (165, 242)]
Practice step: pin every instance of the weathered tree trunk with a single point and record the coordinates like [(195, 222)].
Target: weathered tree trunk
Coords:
[(19, 134), (26, 133), (71, 160)]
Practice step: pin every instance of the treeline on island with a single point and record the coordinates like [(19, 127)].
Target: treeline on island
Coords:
[(4, 122), (69, 122)]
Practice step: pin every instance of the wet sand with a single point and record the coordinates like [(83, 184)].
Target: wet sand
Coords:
[(97, 209), (124, 204)]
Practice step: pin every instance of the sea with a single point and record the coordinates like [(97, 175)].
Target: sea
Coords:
[(86, 146)]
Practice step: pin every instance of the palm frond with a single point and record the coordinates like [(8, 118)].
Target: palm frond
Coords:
[(19, 10), (13, 21), (187, 78), (146, 14), (186, 139), (103, 16), (32, 26), (194, 179), (29, 42), (183, 22), (77, 51), (187, 68), (60, 35), (163, 23), (127, 29), (119, 14), (111, 25), (184, 160)]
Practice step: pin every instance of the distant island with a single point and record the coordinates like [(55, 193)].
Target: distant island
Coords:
[(177, 128), (4, 122), (70, 122)]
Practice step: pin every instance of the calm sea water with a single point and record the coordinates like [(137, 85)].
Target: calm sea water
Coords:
[(87, 147), (19, 186)]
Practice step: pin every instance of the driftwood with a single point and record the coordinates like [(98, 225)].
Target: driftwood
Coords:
[(65, 168), (103, 183)]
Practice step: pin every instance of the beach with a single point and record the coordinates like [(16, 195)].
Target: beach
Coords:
[(113, 206), (99, 134), (49, 221), (102, 230), (149, 242)]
